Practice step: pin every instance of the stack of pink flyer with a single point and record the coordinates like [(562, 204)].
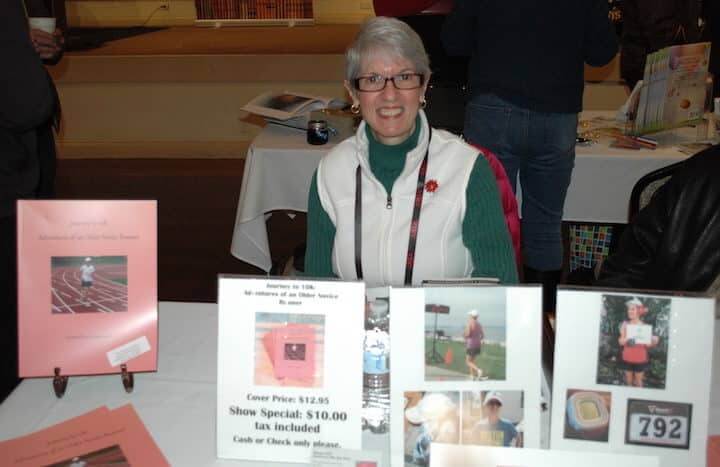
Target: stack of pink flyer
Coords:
[(101, 437), (87, 287)]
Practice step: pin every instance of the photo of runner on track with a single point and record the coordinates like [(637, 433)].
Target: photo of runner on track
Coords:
[(89, 284)]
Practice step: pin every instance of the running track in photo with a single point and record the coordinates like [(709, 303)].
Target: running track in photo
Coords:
[(103, 289)]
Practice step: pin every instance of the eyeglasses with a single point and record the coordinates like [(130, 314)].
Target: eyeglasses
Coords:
[(376, 83)]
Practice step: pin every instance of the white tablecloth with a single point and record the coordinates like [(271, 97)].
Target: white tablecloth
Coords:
[(280, 164), (177, 403)]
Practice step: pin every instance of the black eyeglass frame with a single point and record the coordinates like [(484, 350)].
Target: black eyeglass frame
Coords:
[(356, 82)]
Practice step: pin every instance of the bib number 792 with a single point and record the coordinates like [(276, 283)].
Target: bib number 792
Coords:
[(658, 423)]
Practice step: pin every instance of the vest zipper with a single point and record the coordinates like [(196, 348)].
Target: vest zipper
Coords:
[(388, 204)]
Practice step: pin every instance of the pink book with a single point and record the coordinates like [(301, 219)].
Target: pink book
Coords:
[(100, 437), (87, 286), (713, 451), (57, 442), (135, 439)]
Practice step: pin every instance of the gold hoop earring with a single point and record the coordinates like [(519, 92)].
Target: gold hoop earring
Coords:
[(355, 109), (423, 103)]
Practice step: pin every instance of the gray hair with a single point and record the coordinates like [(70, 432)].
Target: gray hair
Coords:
[(386, 35)]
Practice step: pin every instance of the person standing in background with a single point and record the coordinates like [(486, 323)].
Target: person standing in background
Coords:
[(711, 33), (50, 48), (650, 25), (26, 102), (526, 84)]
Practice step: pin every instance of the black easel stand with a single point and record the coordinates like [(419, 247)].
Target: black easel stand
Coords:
[(128, 379), (60, 382)]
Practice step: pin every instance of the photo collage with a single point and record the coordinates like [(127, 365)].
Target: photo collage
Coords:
[(481, 418), (633, 342), (635, 381), (468, 387)]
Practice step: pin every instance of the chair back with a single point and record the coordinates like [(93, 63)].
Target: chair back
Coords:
[(647, 185)]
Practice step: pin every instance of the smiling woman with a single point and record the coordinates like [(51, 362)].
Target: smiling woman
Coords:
[(399, 202)]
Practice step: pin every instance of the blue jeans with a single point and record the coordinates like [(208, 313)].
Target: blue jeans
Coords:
[(540, 146)]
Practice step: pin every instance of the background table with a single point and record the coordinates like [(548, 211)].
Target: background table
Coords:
[(178, 402), (280, 164)]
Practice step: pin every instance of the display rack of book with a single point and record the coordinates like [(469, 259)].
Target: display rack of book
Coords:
[(676, 91), (217, 13)]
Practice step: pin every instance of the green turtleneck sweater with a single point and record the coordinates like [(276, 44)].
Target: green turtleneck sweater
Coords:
[(484, 229)]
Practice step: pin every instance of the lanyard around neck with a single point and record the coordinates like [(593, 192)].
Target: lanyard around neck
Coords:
[(412, 241)]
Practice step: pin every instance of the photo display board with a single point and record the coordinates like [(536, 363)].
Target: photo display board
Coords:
[(289, 367), (632, 374), (466, 369), (87, 286)]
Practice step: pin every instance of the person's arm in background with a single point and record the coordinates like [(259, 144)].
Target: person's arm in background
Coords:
[(50, 47), (25, 94), (600, 43), (485, 233), (458, 30), (320, 237)]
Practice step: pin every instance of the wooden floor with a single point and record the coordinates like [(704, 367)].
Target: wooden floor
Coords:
[(197, 200), (183, 40)]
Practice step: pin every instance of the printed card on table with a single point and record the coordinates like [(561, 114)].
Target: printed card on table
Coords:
[(466, 369), (632, 374), (453, 455), (87, 286), (289, 367)]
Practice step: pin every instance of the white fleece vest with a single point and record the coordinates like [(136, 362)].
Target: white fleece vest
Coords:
[(440, 252)]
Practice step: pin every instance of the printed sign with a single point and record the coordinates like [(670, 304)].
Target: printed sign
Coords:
[(289, 367)]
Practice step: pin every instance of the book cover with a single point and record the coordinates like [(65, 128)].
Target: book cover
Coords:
[(58, 442), (675, 91), (289, 105), (100, 437), (135, 439), (713, 454), (87, 286), (289, 367)]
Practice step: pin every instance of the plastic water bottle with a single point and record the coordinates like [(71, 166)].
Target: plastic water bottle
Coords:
[(376, 368)]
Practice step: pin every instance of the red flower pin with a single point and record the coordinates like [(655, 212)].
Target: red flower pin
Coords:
[(431, 186)]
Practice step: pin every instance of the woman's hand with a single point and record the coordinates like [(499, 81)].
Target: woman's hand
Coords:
[(48, 46)]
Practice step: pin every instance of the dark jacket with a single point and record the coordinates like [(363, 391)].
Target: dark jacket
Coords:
[(674, 242), (26, 103), (650, 25), (529, 52), (711, 13)]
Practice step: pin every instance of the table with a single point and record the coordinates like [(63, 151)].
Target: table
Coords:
[(280, 164), (177, 403)]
